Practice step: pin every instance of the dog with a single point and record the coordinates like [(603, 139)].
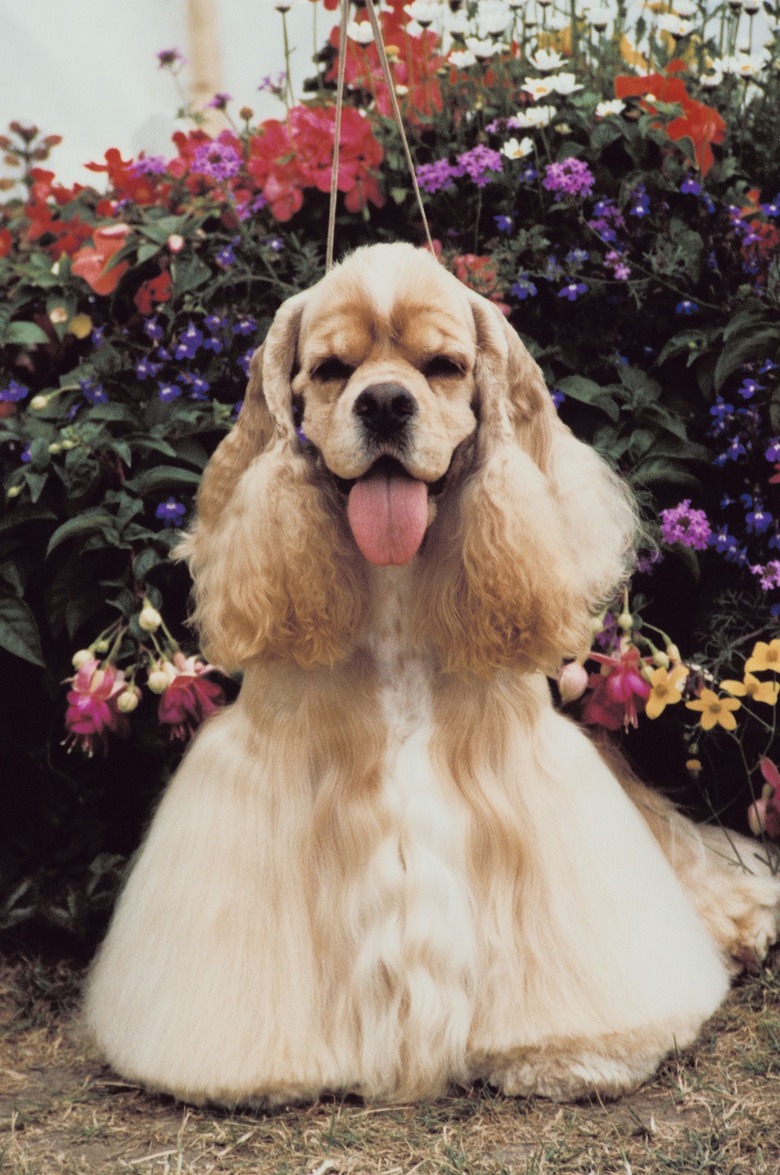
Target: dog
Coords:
[(391, 867)]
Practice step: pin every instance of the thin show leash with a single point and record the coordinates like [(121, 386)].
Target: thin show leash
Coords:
[(385, 64)]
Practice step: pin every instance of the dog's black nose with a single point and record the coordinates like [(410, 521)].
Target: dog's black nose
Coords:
[(385, 409)]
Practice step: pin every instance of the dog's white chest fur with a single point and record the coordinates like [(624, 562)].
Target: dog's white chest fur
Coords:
[(419, 942)]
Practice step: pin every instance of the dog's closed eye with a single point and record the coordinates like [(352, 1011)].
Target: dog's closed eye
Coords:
[(442, 366), (330, 369)]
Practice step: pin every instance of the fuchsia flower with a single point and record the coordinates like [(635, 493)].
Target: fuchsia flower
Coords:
[(618, 693), (92, 707), (189, 697), (764, 814)]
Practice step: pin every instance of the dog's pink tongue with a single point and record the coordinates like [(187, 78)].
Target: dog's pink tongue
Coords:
[(388, 514)]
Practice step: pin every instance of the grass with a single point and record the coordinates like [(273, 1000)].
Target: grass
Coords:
[(711, 1109)]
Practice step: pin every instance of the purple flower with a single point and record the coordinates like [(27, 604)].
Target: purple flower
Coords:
[(199, 387), (219, 101), (640, 201), (168, 392), (245, 325), (689, 528), (735, 450), (528, 175), (614, 261), (557, 397), (749, 387), (573, 290), (571, 177), (226, 257), (576, 257), (152, 329), (524, 288), (167, 58), (25, 456), (149, 165), (217, 159), (189, 343), (436, 177), (607, 218), (146, 369), (772, 209), (13, 392), (504, 224), (93, 391), (725, 544), (758, 521), (273, 84), (245, 360), (769, 576), (773, 452), (477, 162), (686, 307), (690, 186), (170, 512)]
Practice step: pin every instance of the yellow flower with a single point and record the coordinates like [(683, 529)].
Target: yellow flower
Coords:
[(751, 687), (80, 325), (764, 656), (715, 711), (666, 688)]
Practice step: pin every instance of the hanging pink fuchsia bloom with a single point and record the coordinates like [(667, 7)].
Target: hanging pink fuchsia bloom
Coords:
[(92, 707), (190, 697), (764, 814), (619, 693)]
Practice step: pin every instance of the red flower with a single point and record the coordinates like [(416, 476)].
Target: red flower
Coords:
[(6, 242), (618, 694), (156, 289), (698, 122), (479, 273), (92, 711), (415, 67), (126, 182), (190, 697), (288, 157), (92, 263)]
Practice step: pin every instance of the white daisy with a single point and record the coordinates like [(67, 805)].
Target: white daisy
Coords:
[(546, 60), (614, 106), (517, 150)]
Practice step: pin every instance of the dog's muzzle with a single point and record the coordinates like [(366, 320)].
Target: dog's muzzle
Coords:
[(385, 411)]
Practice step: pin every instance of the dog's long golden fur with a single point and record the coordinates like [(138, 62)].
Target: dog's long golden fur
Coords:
[(391, 865)]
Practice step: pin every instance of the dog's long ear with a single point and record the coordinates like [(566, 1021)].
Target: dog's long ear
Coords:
[(545, 529), (272, 562)]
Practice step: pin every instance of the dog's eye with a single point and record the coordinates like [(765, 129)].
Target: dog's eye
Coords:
[(332, 368), (441, 365)]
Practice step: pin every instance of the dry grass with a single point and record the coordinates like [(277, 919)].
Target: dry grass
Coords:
[(715, 1108)]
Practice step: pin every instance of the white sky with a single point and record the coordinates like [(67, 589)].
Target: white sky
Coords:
[(87, 69)]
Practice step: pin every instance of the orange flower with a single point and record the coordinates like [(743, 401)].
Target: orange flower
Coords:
[(698, 122), (715, 711), (765, 656), (93, 263)]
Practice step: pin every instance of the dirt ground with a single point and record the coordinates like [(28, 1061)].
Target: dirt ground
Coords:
[(714, 1108)]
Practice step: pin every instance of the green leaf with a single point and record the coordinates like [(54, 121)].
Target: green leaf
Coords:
[(164, 477), (18, 630), (24, 515), (85, 524), (24, 334), (745, 350), (189, 273), (587, 391)]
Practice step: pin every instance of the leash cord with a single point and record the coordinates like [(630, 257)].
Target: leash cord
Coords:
[(388, 78)]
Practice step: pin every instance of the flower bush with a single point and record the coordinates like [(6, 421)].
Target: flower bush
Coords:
[(611, 187)]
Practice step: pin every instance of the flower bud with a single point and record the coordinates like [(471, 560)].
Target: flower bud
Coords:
[(756, 817), (661, 658), (38, 403), (128, 700), (572, 681), (13, 491), (55, 447), (626, 621), (149, 619), (175, 243), (58, 315), (674, 654), (69, 443), (80, 658), (158, 681), (693, 767), (101, 646)]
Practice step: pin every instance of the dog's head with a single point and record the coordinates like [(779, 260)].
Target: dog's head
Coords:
[(392, 414)]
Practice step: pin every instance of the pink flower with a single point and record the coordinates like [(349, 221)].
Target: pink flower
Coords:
[(764, 814), (189, 698), (617, 694), (92, 710)]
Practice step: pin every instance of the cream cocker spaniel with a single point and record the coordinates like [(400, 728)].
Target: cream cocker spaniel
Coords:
[(391, 866)]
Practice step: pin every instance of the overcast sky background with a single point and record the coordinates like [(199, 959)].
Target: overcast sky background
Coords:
[(87, 69)]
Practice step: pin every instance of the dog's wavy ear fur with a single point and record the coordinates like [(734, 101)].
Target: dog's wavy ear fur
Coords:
[(541, 534), (273, 564)]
